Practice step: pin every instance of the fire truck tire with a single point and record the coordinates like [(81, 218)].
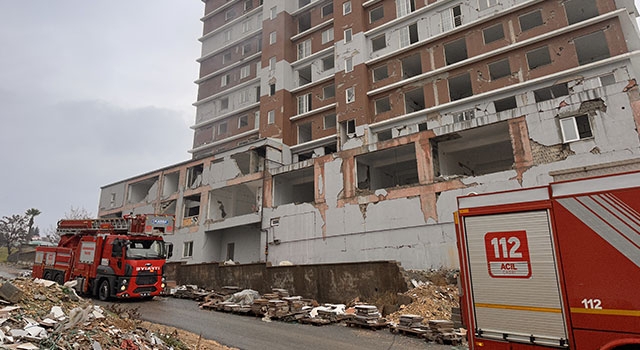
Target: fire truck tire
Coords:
[(104, 290), (58, 278), (47, 275)]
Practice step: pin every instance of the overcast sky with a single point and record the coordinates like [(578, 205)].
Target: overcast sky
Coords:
[(91, 93)]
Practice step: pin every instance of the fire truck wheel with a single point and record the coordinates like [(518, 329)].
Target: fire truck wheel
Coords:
[(59, 279), (103, 291), (47, 275)]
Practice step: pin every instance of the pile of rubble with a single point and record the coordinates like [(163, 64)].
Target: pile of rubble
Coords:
[(429, 301), (42, 314)]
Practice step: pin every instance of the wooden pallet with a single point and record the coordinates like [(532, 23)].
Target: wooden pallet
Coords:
[(372, 326), (417, 332), (315, 321)]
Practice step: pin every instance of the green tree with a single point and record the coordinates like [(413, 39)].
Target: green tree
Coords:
[(13, 230), (31, 214)]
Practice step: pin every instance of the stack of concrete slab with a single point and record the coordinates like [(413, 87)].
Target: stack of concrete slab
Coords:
[(411, 321), (441, 331), (260, 307), (295, 303), (277, 308), (282, 293), (367, 316)]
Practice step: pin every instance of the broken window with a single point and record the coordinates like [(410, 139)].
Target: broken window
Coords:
[(222, 128), (411, 66), (304, 22), (505, 104), (294, 187), (380, 73), (350, 95), (139, 191), (391, 167), (224, 103), (243, 121), (455, 51), (327, 63), (493, 33), (409, 35), (405, 7), (376, 14), (327, 36), (414, 100), (592, 47), (348, 35), (236, 200), (451, 18), (304, 103), (499, 69), (249, 162), (187, 249), (538, 57), (170, 184), (191, 210), (194, 176), (349, 126), (472, 152), (304, 132), (348, 65), (464, 115), (329, 121), (382, 105), (579, 10), (329, 91), (530, 20), (327, 10), (379, 42), (460, 87), (575, 128), (304, 75), (304, 49), (551, 92)]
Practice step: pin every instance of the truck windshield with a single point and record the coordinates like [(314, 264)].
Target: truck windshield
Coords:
[(145, 249)]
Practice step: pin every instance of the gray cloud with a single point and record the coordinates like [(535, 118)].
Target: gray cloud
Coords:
[(92, 93)]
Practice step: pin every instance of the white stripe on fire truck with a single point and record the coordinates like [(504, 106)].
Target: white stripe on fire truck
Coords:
[(613, 218), (601, 227), (631, 217)]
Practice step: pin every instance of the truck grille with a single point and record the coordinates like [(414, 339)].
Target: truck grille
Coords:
[(145, 290), (146, 278)]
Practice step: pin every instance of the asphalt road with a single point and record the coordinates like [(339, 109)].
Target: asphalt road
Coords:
[(249, 333)]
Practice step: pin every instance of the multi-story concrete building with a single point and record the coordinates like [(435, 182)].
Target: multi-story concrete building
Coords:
[(343, 130)]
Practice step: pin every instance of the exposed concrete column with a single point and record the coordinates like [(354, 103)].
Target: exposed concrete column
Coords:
[(424, 160), (267, 194), (522, 156), (318, 174), (348, 173)]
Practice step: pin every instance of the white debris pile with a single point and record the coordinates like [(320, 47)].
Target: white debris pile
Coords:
[(44, 315)]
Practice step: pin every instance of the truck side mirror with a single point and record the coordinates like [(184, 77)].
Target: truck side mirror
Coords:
[(169, 249)]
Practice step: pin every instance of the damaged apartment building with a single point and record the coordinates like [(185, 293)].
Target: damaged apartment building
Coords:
[(342, 130)]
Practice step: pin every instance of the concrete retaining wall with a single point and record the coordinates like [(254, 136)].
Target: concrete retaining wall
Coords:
[(332, 283)]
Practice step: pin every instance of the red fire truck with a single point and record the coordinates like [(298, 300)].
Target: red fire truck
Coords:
[(556, 266), (110, 257)]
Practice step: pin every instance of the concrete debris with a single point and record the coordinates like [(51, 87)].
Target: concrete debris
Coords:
[(47, 315)]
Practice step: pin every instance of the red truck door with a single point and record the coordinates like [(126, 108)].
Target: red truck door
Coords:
[(510, 269)]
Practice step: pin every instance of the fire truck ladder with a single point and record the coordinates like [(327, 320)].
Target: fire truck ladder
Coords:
[(82, 226)]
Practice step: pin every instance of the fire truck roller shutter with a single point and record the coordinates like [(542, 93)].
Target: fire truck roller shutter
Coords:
[(514, 277)]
